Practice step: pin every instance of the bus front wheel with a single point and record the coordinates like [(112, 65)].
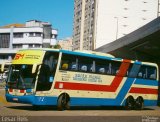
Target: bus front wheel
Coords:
[(63, 102)]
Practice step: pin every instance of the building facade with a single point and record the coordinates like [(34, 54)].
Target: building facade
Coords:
[(98, 22), (65, 44), (32, 34)]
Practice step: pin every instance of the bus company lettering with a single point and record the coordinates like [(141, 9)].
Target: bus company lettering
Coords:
[(19, 56), (32, 56), (89, 78), (93, 78), (80, 77)]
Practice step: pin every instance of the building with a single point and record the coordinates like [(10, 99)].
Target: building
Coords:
[(32, 34), (65, 44), (99, 22), (145, 46)]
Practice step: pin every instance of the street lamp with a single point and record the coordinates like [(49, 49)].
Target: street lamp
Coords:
[(116, 27)]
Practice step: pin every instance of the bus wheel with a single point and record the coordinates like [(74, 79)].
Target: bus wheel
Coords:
[(139, 104), (63, 102), (129, 103)]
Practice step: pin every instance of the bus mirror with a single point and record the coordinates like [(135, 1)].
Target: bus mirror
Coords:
[(34, 68), (2, 67)]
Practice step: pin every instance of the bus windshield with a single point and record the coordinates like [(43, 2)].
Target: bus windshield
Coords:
[(21, 77)]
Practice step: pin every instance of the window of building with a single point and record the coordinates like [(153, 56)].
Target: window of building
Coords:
[(18, 35), (38, 34), (17, 45), (31, 34), (4, 40), (37, 45), (31, 45)]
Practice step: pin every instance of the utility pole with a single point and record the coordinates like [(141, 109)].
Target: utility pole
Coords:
[(158, 9), (116, 28)]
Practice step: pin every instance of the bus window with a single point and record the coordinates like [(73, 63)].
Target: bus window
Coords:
[(152, 73), (102, 66), (133, 70), (141, 73), (69, 60), (85, 64), (115, 67), (147, 72)]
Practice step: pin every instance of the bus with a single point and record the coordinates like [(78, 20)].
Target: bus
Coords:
[(65, 78)]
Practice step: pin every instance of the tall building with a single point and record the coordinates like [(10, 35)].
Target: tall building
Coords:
[(32, 34), (98, 22), (66, 43)]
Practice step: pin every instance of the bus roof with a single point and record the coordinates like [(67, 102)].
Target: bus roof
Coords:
[(89, 54)]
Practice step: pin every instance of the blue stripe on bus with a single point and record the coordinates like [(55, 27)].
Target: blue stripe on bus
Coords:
[(78, 101), (146, 82), (127, 85), (124, 90)]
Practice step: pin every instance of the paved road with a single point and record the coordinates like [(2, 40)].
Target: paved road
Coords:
[(25, 113)]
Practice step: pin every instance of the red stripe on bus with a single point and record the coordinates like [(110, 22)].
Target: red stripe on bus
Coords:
[(143, 90), (94, 87), (10, 90), (21, 91)]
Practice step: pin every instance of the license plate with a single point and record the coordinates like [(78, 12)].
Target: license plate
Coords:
[(16, 90), (15, 99)]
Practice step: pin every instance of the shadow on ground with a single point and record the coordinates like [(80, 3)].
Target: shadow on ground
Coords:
[(51, 108)]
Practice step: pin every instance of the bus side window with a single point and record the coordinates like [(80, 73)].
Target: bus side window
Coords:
[(109, 72), (152, 73), (101, 66), (115, 67), (73, 66), (85, 64), (102, 70), (133, 70), (83, 68), (65, 66), (147, 72), (68, 62), (141, 73)]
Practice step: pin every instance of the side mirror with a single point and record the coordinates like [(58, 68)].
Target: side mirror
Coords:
[(2, 67), (34, 68)]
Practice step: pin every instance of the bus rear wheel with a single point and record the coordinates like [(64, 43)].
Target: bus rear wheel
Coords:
[(63, 102), (139, 104), (130, 103)]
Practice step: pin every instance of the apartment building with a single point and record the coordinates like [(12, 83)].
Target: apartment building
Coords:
[(32, 34), (66, 43), (98, 22)]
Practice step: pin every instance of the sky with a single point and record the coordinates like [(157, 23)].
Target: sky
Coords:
[(58, 12)]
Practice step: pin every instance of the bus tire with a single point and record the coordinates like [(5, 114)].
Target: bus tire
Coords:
[(129, 105), (63, 102), (139, 103)]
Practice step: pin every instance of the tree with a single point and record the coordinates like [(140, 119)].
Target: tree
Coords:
[(57, 46)]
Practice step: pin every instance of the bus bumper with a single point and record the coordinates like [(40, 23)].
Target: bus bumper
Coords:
[(32, 99)]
